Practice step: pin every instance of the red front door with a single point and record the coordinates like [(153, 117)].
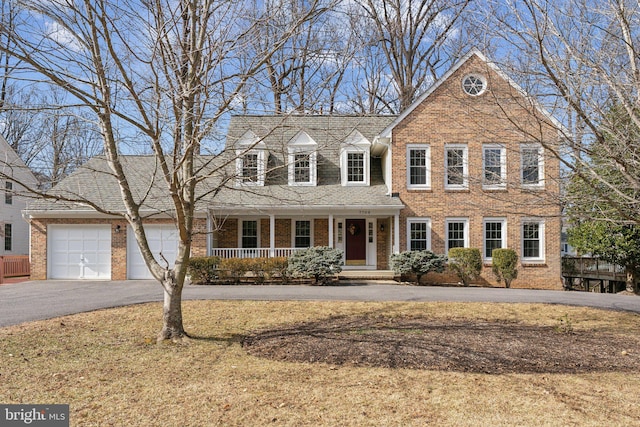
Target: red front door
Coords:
[(356, 242)]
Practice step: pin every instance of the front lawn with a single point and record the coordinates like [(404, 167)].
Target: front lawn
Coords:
[(108, 367)]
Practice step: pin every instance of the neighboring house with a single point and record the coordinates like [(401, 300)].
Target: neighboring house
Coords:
[(462, 166), (14, 230)]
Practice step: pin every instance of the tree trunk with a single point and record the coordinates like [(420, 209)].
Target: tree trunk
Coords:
[(172, 328), (632, 284)]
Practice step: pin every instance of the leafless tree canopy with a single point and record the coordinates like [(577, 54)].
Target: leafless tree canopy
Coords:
[(155, 77), (580, 58)]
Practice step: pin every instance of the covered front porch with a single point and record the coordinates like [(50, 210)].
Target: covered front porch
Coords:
[(367, 236)]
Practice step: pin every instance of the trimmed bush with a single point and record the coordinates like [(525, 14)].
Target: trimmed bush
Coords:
[(208, 270), (235, 268), (466, 263), (320, 262), (257, 267), (203, 270), (418, 263), (505, 265), (277, 267)]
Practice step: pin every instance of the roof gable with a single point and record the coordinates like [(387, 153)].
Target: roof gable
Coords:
[(386, 133), (302, 139)]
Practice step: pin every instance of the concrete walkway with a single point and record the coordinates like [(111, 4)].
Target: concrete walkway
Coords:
[(37, 300)]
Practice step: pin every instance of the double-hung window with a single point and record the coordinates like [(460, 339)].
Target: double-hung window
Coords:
[(532, 165), (250, 168), (494, 170), (8, 238), (355, 160), (302, 160), (355, 167), (302, 233), (532, 241), (301, 169), (418, 234), (8, 195), (456, 165), (418, 166), (249, 234), (495, 236), (457, 233), (251, 159)]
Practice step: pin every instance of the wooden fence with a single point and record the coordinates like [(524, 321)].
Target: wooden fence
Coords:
[(14, 266)]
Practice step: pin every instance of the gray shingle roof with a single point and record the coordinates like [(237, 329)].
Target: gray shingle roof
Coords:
[(95, 182)]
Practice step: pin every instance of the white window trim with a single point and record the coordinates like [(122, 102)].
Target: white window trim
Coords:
[(293, 230), (503, 167), (355, 143), (345, 164), (541, 232), (313, 166), (302, 143), (250, 143), (261, 167), (426, 220), (480, 77), (484, 235), (427, 149), (540, 183), (240, 221), (465, 230), (465, 167)]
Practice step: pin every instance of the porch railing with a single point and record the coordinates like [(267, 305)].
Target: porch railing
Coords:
[(253, 252), (14, 266)]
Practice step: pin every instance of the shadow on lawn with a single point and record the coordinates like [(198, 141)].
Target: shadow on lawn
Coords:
[(448, 345)]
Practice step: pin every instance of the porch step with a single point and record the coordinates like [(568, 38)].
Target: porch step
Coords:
[(366, 275)]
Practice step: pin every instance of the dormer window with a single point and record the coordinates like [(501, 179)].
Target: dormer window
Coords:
[(249, 168), (251, 160), (303, 160), (355, 160)]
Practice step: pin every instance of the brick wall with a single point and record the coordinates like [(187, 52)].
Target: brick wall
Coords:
[(383, 243), (228, 233), (500, 115), (321, 232)]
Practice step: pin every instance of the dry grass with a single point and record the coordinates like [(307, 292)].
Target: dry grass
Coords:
[(107, 366)]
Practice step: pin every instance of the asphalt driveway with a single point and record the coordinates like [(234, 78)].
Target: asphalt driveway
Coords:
[(37, 300)]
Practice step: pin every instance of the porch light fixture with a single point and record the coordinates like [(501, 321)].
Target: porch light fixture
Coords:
[(117, 230), (381, 227)]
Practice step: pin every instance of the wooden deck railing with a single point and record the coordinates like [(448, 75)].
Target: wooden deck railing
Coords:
[(14, 266), (592, 268)]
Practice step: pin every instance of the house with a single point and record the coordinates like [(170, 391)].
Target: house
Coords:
[(14, 230), (463, 166)]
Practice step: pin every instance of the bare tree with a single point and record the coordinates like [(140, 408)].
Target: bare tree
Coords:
[(410, 34), (53, 142), (156, 75), (304, 75), (581, 59)]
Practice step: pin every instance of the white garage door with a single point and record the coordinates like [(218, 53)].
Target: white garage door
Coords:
[(163, 242), (79, 252)]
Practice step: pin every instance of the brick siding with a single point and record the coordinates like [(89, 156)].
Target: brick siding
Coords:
[(500, 115)]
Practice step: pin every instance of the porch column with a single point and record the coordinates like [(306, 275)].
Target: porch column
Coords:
[(396, 233), (272, 235), (330, 230)]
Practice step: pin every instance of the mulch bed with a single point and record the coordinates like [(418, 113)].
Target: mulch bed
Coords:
[(448, 345)]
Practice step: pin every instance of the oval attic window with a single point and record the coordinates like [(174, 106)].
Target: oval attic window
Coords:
[(474, 85)]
